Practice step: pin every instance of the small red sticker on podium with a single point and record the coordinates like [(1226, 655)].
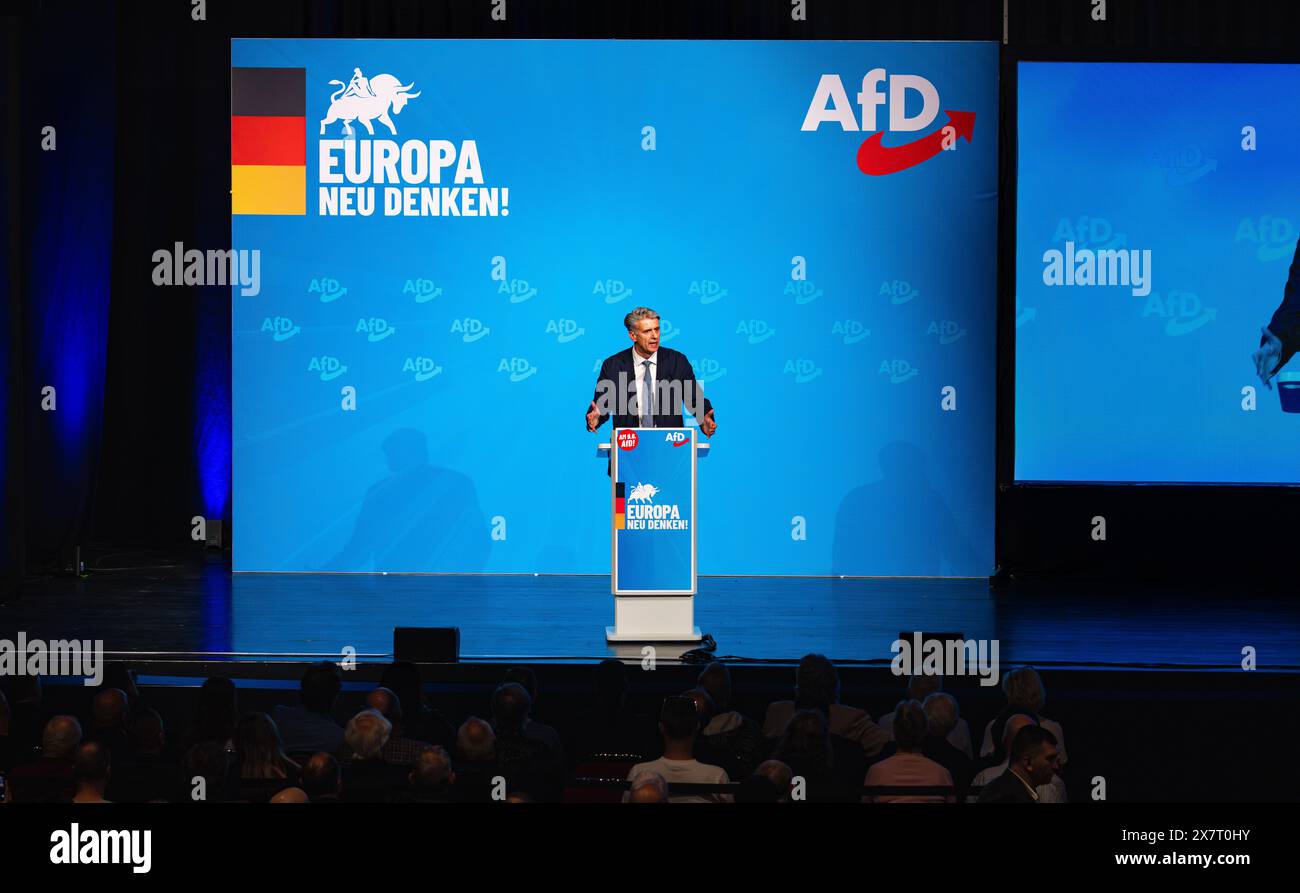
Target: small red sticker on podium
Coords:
[(627, 440)]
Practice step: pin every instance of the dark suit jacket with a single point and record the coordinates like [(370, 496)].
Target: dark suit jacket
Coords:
[(1285, 323), (676, 386), (1006, 788)]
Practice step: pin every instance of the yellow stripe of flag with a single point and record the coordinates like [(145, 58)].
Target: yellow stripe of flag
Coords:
[(268, 189)]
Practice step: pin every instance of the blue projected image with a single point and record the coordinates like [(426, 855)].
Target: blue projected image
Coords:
[(1156, 284)]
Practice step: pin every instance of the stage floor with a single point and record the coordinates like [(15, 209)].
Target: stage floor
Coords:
[(186, 611)]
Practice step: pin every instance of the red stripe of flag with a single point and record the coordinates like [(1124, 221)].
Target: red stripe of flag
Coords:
[(619, 506), (268, 139)]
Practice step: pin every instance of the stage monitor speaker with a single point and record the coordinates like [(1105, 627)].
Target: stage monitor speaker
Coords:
[(215, 540), (427, 644)]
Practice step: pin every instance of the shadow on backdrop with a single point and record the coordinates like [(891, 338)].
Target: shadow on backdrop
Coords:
[(420, 518), (902, 522)]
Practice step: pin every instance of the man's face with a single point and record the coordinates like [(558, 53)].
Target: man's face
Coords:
[(645, 332), (1044, 764)]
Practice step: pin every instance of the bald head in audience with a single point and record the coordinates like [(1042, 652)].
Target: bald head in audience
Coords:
[(61, 736), (291, 795), (476, 741), (648, 787)]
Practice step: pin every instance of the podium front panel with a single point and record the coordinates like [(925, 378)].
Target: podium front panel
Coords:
[(653, 534)]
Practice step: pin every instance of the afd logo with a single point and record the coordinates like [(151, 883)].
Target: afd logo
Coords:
[(707, 291), (565, 330), (423, 290), (470, 330), (518, 367), (518, 289), (947, 330), (1089, 232), (898, 371), (1183, 166), (1182, 311), (328, 289), (677, 438), (900, 291), (367, 99), (329, 367), (830, 105), (423, 368), (851, 330), (667, 331), (376, 329), (1024, 314), (1274, 236), (280, 327), (804, 292), (707, 370), (803, 370), (756, 330), (614, 290)]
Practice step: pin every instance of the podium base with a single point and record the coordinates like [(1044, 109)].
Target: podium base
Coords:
[(653, 618), (612, 635)]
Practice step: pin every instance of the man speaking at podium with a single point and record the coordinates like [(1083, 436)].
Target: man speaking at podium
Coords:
[(647, 386)]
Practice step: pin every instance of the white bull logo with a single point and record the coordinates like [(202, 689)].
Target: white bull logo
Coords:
[(382, 93), (643, 492)]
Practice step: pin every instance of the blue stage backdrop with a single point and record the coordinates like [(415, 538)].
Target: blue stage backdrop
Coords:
[(814, 221), (1156, 223)]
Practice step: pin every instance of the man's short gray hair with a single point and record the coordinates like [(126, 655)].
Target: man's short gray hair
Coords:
[(638, 314), (367, 733), (941, 712)]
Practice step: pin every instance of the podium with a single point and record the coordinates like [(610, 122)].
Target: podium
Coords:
[(652, 533)]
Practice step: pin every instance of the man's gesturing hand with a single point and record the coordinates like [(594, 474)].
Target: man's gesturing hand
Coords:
[(708, 426), (593, 417), (1267, 356)]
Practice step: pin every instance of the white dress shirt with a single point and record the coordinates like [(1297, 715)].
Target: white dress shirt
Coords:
[(638, 371)]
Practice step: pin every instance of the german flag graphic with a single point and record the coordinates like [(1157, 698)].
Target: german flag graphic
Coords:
[(268, 141), (620, 507)]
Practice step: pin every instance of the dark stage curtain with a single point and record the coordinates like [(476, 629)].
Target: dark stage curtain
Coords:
[(66, 253)]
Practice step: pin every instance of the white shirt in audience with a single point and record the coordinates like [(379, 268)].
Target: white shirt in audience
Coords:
[(689, 772)]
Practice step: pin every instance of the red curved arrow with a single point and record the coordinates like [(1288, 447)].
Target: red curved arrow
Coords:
[(878, 160)]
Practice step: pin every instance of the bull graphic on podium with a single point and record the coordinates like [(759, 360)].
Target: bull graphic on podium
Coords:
[(643, 493)]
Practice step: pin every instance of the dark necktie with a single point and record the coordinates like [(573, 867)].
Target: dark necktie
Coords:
[(647, 397)]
